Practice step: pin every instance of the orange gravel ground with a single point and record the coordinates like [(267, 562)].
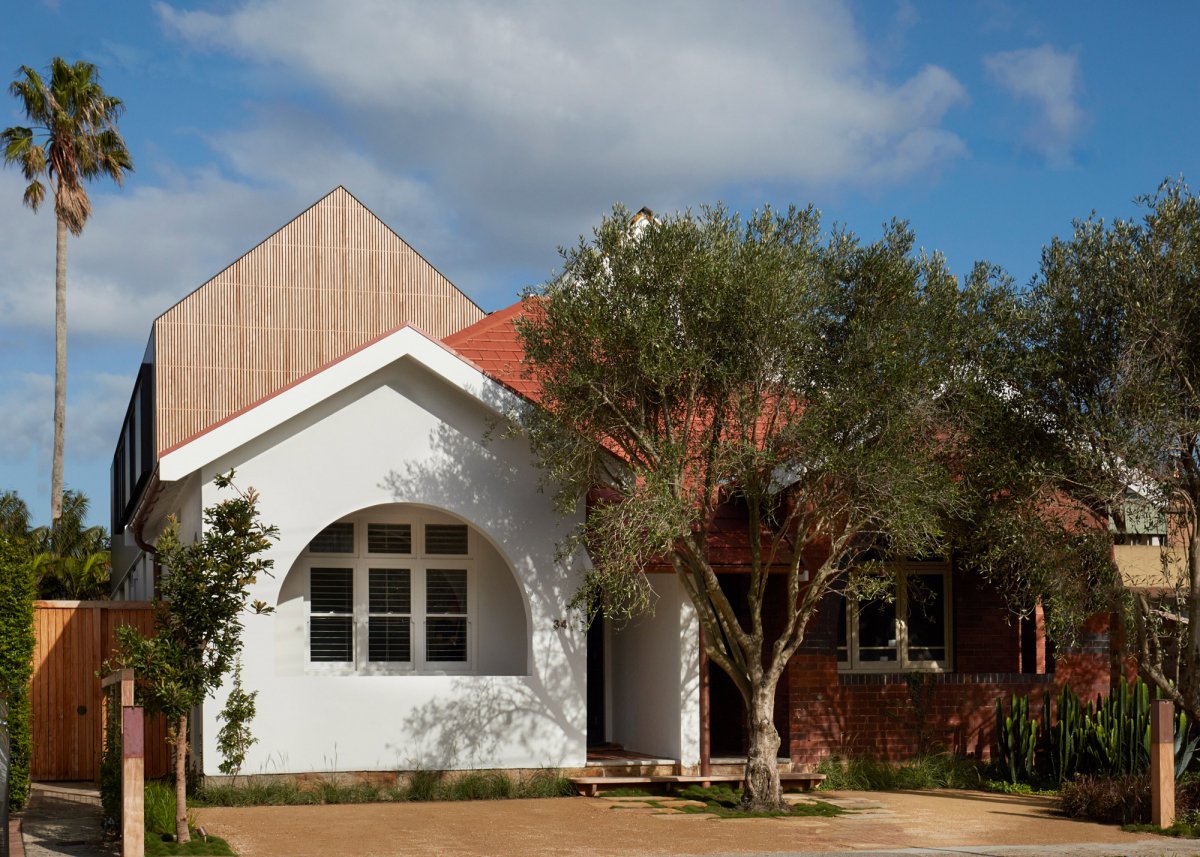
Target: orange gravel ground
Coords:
[(565, 827)]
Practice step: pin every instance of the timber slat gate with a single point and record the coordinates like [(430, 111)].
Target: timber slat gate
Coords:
[(73, 639)]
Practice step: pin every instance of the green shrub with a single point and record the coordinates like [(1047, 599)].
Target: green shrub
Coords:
[(17, 590), (1123, 799), (547, 783), (332, 792), (481, 785), (1187, 795), (1007, 788), (254, 793), (110, 760), (421, 786), (424, 785), (933, 771), (235, 738), (159, 809)]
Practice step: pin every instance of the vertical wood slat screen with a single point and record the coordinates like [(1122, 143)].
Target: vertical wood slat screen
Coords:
[(331, 280), (72, 641)]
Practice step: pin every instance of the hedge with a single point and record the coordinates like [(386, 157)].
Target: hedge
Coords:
[(17, 591)]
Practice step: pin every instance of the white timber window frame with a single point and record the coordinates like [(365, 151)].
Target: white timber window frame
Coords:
[(391, 595), (900, 635)]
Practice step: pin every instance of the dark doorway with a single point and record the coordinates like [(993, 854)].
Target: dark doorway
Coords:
[(595, 683), (728, 733)]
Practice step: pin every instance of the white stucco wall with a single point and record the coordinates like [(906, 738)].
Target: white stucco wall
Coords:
[(402, 434), (654, 678)]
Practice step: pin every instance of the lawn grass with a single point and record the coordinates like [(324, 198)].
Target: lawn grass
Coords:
[(213, 847), (1181, 829), (796, 810), (1006, 788), (724, 802)]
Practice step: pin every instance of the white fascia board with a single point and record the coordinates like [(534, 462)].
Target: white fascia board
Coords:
[(304, 394)]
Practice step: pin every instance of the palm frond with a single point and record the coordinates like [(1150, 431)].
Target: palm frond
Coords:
[(34, 194), (80, 142)]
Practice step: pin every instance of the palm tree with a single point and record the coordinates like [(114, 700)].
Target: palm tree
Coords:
[(73, 137), (71, 560)]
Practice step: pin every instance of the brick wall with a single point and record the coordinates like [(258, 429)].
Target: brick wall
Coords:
[(894, 716)]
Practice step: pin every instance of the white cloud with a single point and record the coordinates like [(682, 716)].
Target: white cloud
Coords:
[(1051, 79), (144, 248), (26, 399), (96, 404), (695, 90), (486, 135), (519, 124)]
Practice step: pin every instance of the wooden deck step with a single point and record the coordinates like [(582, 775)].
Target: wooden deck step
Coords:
[(806, 782), (591, 786)]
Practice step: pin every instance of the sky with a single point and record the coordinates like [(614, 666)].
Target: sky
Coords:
[(490, 134)]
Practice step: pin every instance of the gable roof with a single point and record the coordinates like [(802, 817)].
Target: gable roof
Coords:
[(492, 344), (328, 282)]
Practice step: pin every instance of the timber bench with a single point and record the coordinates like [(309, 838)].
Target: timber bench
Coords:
[(591, 786)]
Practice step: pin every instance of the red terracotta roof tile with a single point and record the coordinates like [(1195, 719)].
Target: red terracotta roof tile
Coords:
[(492, 345)]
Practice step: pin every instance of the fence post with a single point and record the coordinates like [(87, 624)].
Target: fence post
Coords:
[(1162, 763)]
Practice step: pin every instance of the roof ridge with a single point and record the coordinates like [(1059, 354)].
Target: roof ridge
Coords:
[(270, 235)]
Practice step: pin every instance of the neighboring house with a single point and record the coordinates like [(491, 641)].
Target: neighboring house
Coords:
[(1148, 558), (419, 590)]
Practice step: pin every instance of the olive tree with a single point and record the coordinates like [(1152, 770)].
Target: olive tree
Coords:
[(702, 361), (1102, 424)]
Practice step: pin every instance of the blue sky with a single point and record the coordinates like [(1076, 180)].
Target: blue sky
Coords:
[(490, 134)]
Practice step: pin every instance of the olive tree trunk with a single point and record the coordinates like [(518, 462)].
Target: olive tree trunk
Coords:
[(60, 370), (762, 766), (1191, 673)]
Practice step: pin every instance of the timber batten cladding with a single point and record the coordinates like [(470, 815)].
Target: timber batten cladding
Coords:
[(328, 282)]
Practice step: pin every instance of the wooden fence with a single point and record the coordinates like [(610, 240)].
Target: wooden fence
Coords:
[(73, 639)]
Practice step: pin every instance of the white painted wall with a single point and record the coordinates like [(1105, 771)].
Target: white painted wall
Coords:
[(403, 434), (654, 678)]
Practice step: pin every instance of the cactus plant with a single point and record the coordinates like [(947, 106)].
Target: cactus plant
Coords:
[(1110, 739), (1066, 734), (1016, 739)]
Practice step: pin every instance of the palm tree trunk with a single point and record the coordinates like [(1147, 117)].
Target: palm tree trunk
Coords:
[(60, 371)]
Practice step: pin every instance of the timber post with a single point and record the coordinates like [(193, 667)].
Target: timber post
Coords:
[(1162, 763), (133, 766)]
